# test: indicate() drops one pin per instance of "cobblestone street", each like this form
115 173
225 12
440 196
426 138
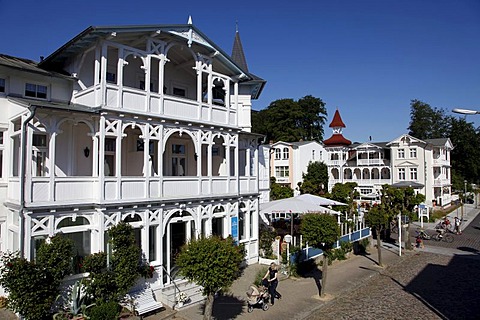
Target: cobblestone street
424 286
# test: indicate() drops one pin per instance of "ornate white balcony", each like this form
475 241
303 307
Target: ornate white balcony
44 191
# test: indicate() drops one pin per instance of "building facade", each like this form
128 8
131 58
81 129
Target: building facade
403 162
290 160
145 124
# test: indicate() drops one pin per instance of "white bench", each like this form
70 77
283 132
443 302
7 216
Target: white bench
143 300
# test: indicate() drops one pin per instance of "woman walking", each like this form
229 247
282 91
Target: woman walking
272 275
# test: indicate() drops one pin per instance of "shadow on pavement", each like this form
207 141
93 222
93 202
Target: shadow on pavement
451 291
469 249
227 307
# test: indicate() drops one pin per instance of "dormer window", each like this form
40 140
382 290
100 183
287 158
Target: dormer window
285 153
35 91
278 154
2 85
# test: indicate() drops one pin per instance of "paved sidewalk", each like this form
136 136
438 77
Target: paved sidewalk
469 213
300 296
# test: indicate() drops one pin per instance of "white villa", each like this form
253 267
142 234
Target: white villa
290 160
144 124
402 162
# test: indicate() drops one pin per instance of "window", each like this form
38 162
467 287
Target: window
39 155
109 165
313 154
278 154
413 153
285 153
281 172
2 85
35 91
178 160
111 77
401 153
413 174
179 92
401 174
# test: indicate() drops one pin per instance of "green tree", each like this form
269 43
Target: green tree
289 120
321 231
211 262
278 191
315 181
111 282
33 286
346 193
427 122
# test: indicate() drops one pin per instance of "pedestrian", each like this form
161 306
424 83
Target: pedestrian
457 226
272 277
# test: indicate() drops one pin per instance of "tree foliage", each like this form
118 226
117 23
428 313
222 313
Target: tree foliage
111 282
321 231
33 286
211 262
345 192
315 178
278 191
430 123
289 120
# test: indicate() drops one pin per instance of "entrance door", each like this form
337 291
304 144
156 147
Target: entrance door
178 237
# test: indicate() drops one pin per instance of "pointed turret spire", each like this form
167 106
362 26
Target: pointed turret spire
337 138
189 20
238 56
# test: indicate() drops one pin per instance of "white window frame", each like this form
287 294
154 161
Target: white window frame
282 172
40 156
401 153
401 173
413 153
278 153
36 92
286 153
413 174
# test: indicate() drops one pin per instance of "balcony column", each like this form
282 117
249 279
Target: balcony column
101 158
229 168
210 95
209 166
198 67
96 78
147 163
118 158
227 100
103 75
51 166
120 64
147 68
161 158
235 92
236 162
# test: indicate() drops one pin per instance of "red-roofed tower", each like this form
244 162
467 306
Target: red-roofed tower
337 138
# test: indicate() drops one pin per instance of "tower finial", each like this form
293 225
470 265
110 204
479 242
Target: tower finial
189 20
236 26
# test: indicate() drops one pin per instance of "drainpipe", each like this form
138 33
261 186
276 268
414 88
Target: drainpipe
23 170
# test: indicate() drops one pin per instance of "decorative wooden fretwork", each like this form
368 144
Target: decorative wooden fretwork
41 225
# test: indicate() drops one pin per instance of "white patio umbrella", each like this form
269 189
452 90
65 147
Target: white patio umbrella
320 201
292 205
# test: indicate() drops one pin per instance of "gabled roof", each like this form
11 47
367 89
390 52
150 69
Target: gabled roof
367 145
440 142
28 66
337 121
405 136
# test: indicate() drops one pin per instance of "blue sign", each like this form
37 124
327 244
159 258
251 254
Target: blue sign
235 229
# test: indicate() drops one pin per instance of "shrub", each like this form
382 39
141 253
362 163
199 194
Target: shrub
267 236
105 311
259 276
34 286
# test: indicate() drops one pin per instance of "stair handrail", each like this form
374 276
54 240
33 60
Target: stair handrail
174 284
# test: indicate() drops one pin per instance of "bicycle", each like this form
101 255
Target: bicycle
448 238
423 234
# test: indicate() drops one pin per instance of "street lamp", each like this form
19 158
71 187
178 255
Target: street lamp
465 111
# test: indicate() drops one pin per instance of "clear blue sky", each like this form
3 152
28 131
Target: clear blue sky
368 58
